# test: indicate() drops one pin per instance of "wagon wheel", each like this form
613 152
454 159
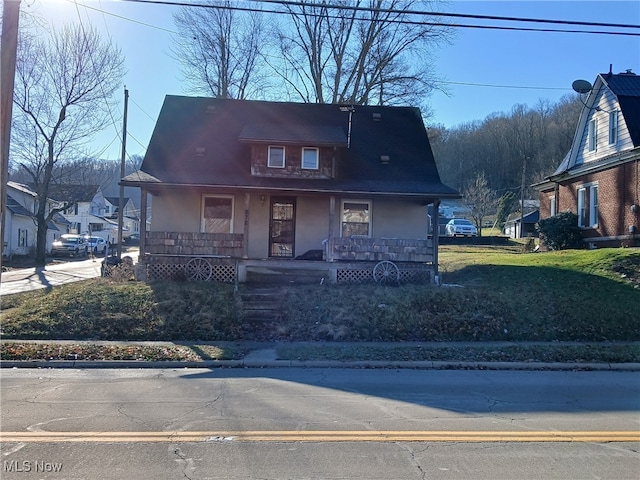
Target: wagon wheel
386 272
199 269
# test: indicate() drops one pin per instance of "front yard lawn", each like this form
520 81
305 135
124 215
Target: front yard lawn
490 294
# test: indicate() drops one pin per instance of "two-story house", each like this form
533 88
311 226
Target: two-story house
130 220
255 185
599 179
88 214
20 227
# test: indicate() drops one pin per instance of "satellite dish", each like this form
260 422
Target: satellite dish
581 86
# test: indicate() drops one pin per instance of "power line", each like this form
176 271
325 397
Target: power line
503 86
413 12
141 109
91 53
132 20
443 14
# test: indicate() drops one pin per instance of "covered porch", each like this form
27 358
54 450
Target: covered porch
225 257
218 257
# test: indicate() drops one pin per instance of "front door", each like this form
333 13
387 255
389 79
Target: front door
282 227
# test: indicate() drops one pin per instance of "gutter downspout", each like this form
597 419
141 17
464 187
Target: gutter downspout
436 242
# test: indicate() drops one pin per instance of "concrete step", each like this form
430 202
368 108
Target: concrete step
260 304
287 278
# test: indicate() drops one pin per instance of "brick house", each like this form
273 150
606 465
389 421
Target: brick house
599 179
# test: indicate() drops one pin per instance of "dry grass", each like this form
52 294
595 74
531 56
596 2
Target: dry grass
503 295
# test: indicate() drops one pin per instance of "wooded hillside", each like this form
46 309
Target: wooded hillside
498 146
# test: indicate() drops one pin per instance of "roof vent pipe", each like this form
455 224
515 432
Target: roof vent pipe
350 109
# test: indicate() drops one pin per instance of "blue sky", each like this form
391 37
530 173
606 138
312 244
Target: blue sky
489 63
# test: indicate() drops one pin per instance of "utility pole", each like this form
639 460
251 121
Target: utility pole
122 170
8 48
522 187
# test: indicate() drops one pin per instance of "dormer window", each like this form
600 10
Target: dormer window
276 157
310 158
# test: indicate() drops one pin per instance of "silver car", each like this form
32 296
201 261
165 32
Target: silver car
70 245
97 245
460 227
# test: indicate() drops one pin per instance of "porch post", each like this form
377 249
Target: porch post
143 223
435 228
332 218
245 243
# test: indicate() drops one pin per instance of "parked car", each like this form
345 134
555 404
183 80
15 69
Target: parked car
69 244
460 227
133 239
97 245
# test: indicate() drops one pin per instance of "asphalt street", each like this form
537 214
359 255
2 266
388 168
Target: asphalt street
318 423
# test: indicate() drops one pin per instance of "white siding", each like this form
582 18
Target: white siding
605 103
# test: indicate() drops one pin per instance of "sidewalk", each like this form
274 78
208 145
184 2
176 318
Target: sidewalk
266 356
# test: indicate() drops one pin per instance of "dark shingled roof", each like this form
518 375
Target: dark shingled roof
626 86
320 135
116 200
72 192
204 142
16 208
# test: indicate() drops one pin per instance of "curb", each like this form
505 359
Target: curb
416 365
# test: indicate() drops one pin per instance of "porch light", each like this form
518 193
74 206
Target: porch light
262 200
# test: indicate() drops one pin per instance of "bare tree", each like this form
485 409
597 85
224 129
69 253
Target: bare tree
499 144
362 52
64 93
480 200
220 49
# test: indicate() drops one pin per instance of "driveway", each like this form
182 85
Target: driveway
34 278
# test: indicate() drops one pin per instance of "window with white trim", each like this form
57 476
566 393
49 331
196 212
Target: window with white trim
613 128
310 158
276 157
588 206
356 218
217 214
552 206
593 206
592 135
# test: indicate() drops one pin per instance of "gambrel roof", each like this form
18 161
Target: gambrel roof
206 142
623 90
626 87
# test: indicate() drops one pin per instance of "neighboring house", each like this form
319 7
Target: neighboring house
87 215
131 221
256 181
512 227
599 179
20 227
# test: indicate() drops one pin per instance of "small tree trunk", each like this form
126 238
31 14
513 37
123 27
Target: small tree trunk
41 240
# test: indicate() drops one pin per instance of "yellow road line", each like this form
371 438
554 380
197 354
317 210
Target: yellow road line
320 436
